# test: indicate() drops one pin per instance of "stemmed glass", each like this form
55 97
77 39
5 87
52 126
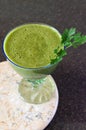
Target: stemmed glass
36 85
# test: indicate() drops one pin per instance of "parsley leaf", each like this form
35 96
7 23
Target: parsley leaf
70 37
59 56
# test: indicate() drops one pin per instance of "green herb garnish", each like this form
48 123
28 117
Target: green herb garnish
59 56
69 38
72 38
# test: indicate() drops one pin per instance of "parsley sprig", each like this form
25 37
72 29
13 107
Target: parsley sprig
70 37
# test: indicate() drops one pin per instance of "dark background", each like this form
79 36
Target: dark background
70 74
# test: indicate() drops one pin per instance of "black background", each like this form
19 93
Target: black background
70 74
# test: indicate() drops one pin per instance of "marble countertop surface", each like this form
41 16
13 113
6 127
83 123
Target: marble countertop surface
15 112
70 74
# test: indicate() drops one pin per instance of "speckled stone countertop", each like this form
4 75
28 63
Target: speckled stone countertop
15 113
70 74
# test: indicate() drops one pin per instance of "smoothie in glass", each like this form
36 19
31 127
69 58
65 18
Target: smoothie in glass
32 45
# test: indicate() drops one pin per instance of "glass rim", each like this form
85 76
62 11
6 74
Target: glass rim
28 68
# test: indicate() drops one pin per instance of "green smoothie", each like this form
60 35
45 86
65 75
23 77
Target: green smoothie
32 45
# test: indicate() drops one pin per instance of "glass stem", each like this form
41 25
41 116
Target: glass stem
36 82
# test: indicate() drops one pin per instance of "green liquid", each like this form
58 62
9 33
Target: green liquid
32 45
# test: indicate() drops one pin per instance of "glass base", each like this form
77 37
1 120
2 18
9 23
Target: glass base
38 91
